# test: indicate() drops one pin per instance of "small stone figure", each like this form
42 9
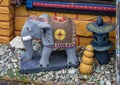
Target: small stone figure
101 42
86 66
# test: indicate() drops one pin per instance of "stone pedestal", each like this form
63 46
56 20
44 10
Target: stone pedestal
58 61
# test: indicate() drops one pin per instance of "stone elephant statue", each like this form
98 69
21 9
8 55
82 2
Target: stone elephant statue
41 28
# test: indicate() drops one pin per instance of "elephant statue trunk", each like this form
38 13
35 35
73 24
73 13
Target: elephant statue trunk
29 52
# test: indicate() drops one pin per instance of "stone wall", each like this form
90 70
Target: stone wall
6 21
21 14
83 35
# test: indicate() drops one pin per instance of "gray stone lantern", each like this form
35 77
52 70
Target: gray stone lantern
101 42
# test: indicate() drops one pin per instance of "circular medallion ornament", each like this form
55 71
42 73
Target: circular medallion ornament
60 34
60 19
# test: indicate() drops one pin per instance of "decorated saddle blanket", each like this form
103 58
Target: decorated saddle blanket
64 31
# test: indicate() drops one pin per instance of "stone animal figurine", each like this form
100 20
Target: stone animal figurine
42 28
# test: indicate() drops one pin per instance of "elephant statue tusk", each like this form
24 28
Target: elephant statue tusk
26 38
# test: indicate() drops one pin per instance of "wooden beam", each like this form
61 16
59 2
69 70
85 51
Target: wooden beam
88 1
118 41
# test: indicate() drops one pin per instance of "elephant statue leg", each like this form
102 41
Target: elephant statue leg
44 61
71 56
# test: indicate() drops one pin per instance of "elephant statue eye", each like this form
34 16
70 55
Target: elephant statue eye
29 29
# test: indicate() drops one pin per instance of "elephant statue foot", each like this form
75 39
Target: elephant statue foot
71 56
25 57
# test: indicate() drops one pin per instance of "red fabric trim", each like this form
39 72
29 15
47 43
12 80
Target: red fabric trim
37 18
98 8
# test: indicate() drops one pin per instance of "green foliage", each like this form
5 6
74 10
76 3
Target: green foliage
10 73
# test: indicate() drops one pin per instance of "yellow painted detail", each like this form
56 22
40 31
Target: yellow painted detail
60 34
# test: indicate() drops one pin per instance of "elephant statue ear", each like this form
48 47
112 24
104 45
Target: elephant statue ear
47 35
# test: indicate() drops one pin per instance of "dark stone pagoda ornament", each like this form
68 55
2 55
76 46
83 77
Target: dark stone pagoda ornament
101 42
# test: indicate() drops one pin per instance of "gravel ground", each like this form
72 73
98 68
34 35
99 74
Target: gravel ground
9 70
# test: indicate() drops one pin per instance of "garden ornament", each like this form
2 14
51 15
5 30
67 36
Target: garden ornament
54 32
101 42
86 65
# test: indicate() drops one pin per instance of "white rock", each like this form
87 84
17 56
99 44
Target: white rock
63 71
91 83
9 66
15 65
76 79
34 78
108 65
107 72
107 82
14 70
99 75
1 62
2 52
98 69
19 51
84 76
14 73
57 72
36 48
39 74
17 42
114 78
72 71
112 59
44 79
14 60
102 68
2 65
2 74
